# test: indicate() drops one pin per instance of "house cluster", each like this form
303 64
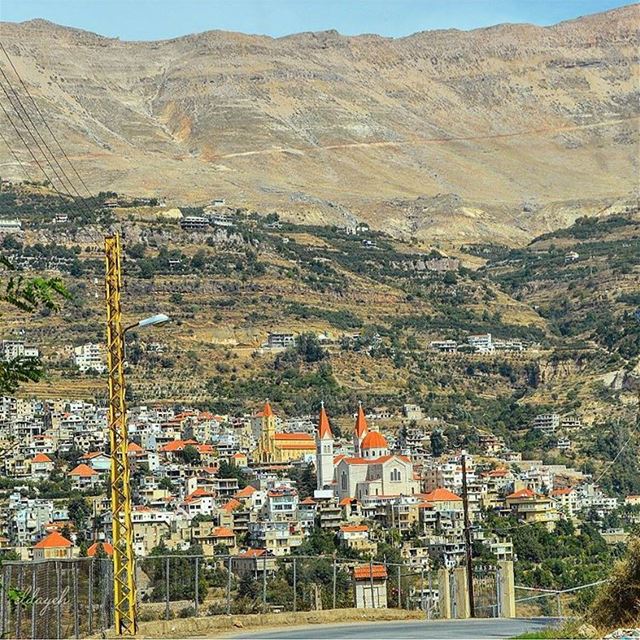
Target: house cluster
483 344
90 358
10 225
227 483
14 349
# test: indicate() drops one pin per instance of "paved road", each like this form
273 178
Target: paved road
409 630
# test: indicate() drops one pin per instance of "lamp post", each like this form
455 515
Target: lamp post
124 586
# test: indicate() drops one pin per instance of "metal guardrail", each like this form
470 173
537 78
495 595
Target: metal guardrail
557 593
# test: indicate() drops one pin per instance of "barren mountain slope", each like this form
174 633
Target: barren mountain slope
517 129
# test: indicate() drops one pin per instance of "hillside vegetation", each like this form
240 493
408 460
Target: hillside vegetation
374 307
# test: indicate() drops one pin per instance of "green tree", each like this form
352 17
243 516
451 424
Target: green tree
308 347
226 470
190 455
27 295
79 512
305 479
438 443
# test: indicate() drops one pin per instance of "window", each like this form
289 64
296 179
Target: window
395 475
343 481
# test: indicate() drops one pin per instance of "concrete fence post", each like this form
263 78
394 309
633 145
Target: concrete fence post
506 589
462 592
444 591
399 586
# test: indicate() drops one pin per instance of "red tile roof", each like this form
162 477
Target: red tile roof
561 492
107 547
54 540
92 454
356 460
496 473
246 492
232 505
198 493
522 493
442 495
222 532
204 448
366 572
41 458
353 528
252 553
83 471
177 445
294 436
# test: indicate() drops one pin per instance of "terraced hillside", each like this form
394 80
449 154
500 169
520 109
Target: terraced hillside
375 302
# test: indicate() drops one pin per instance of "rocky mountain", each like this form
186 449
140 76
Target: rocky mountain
498 133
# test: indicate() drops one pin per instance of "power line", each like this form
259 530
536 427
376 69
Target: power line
15 157
63 197
37 108
24 142
35 128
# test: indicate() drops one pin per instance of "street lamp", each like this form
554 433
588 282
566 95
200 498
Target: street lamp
151 321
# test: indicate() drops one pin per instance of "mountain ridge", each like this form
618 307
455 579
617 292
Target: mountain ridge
611 14
325 127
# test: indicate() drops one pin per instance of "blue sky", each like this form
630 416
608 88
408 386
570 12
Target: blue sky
158 19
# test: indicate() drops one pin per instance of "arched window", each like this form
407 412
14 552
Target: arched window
395 475
343 481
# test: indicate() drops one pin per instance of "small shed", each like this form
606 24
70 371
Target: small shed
370 584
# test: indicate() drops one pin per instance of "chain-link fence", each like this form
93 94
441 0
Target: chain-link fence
56 598
486 592
68 598
172 586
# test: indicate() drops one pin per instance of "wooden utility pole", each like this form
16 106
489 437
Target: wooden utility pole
467 536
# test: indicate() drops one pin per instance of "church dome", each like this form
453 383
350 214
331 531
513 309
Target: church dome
374 440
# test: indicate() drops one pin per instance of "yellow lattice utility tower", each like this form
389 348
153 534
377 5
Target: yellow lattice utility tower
124 585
